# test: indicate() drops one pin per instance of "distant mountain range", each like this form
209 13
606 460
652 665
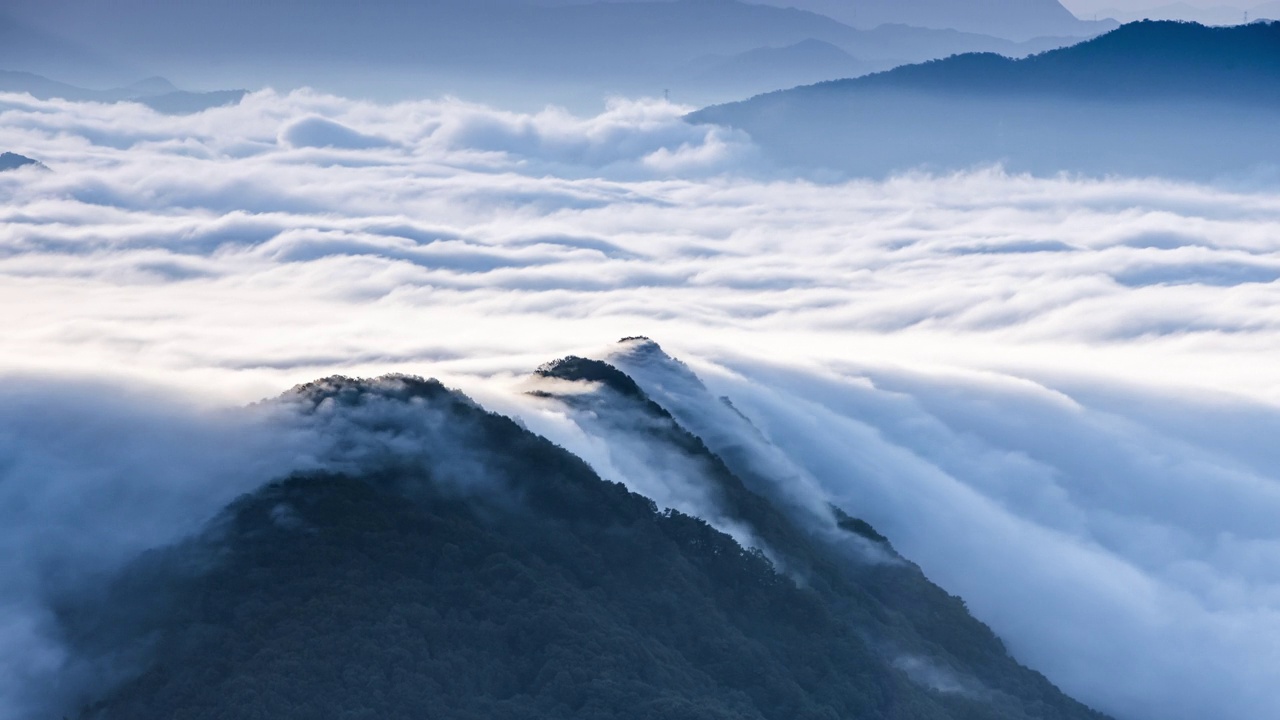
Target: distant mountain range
1141 61
468 48
815 59
1149 97
1013 19
156 93
465 567
1224 14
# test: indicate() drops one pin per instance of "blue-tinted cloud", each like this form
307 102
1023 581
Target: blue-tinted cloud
1047 395
318 132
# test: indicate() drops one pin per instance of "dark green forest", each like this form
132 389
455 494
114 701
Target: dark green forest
539 591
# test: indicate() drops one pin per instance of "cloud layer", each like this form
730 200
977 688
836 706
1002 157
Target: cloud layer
1057 395
1114 541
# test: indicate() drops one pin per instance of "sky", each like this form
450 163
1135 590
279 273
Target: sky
1058 395
1085 9
1079 6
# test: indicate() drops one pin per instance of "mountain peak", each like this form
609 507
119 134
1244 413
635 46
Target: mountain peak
346 391
640 346
580 369
492 573
13 161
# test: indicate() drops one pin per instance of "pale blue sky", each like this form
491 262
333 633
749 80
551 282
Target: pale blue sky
1085 8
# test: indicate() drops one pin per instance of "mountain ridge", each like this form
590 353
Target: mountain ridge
1150 98
1143 59
155 92
518 583
13 161
608 47
1014 19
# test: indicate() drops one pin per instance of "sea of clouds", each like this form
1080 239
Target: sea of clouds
1059 396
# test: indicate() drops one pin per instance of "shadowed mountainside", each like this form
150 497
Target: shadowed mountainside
1166 98
1015 19
467 566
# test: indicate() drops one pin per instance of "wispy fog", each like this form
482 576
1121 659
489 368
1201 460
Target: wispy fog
1057 395
1122 542
91 475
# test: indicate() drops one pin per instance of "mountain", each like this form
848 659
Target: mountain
13 161
157 93
452 564
40 87
488 48
1141 61
778 67
1166 98
1012 19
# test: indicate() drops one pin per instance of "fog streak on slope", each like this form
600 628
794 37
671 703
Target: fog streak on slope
90 476
93 475
1131 560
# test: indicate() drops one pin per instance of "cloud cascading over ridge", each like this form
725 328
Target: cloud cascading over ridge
1114 541
1056 394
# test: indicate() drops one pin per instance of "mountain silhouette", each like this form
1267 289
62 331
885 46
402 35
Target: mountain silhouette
156 92
13 161
814 59
460 566
1013 19
1148 59
1165 98
593 48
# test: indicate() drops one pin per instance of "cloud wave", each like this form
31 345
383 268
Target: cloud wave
1056 394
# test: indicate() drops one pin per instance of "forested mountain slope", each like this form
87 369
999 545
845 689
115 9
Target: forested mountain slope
456 565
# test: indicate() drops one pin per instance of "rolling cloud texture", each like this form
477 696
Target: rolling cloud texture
1054 394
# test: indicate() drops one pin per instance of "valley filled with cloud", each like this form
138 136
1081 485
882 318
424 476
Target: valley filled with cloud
1054 394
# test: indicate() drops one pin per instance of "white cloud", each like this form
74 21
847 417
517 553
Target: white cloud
318 132
92 475
1093 528
1059 394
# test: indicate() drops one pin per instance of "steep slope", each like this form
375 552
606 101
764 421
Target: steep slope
461 567
1149 98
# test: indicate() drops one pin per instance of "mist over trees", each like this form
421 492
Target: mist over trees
524 586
